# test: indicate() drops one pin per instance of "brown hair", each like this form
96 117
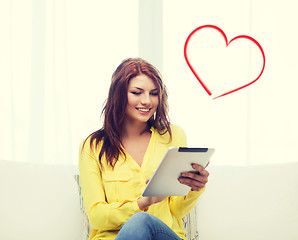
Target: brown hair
115 106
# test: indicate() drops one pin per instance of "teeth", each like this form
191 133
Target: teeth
143 109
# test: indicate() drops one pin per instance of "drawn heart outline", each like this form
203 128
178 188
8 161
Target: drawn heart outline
227 44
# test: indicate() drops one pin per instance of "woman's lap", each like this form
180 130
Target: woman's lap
146 226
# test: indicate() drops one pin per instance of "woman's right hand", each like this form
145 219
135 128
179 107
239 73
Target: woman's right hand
145 202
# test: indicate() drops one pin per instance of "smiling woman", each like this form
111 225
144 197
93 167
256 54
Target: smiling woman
131 71
117 160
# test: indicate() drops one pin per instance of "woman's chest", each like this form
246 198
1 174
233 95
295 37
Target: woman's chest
128 179
137 147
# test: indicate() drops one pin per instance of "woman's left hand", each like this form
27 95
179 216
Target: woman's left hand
197 179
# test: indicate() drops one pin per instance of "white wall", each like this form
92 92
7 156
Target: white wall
82 43
256 125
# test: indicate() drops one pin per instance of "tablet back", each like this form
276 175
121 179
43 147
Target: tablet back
164 181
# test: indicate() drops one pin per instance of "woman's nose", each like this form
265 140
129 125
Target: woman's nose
145 99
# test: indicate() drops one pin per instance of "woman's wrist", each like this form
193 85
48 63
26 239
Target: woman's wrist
144 203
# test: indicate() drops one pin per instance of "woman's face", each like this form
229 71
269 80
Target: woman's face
142 99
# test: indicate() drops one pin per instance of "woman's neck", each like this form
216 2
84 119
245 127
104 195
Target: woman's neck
133 129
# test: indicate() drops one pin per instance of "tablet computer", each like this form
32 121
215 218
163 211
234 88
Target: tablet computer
164 181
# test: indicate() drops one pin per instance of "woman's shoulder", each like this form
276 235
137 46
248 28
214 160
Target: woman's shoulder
90 143
178 136
177 130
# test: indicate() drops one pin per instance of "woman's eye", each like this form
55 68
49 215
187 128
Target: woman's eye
154 94
136 93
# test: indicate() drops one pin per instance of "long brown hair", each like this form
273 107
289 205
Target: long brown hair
115 106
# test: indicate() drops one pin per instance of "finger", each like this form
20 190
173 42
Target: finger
194 187
197 188
195 176
200 169
191 183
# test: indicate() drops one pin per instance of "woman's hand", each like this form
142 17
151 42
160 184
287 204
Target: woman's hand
145 202
196 180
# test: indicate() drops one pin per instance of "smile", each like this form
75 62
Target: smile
143 109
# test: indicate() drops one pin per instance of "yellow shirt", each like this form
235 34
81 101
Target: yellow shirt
110 196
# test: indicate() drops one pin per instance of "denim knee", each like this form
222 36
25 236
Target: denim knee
141 217
136 227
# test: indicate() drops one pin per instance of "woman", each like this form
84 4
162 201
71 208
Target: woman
117 161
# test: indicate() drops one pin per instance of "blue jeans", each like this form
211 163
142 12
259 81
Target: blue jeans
145 226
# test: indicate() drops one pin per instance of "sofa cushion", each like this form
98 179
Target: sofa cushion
39 201
259 202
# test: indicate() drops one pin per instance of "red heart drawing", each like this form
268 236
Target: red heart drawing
227 44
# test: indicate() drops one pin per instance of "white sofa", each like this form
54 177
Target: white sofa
41 202
250 203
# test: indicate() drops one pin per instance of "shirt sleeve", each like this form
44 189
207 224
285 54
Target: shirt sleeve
181 205
102 215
